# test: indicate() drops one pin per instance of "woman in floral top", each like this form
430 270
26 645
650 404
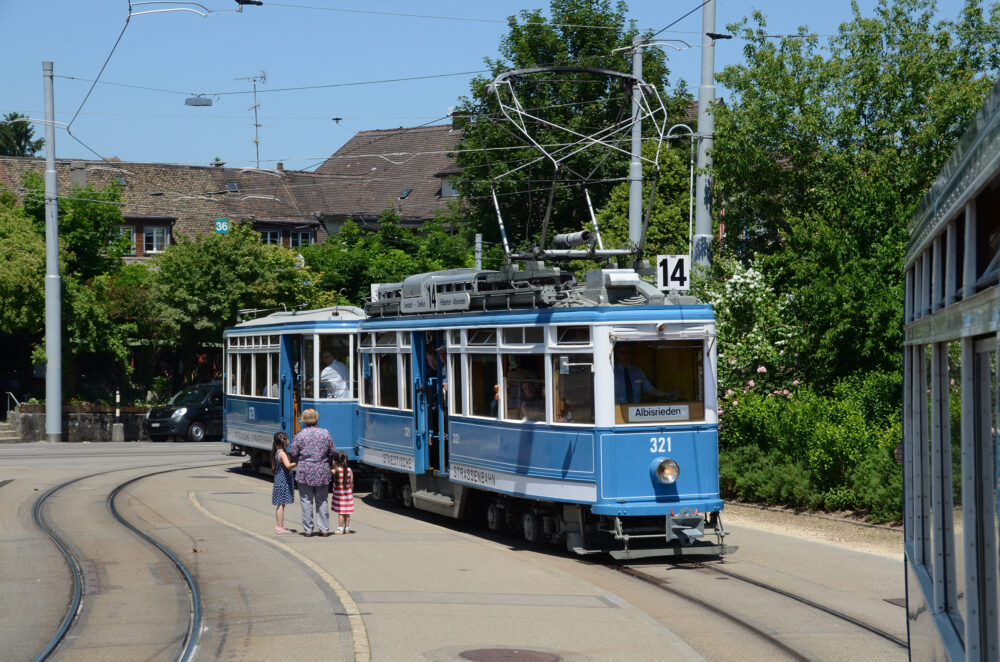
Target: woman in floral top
313 449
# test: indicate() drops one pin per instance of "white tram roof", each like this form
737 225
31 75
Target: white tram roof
335 313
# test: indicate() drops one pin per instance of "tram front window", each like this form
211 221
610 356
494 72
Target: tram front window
659 373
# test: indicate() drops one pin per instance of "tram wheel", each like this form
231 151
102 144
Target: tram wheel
530 526
494 517
379 489
406 494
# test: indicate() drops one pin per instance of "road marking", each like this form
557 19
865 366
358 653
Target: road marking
359 632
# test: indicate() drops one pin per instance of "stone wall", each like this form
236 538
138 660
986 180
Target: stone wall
78 426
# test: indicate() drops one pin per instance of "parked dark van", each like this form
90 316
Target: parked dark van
194 413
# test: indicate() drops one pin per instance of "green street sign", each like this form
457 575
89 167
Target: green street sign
222 226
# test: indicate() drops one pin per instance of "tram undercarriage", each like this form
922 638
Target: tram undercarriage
677 534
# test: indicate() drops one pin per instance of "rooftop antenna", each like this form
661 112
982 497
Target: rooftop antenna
259 78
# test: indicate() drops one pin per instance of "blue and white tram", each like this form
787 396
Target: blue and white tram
582 414
278 365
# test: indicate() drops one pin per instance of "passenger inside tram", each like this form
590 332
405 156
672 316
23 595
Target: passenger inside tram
631 383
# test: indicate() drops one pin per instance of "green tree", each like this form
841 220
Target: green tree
89 225
350 261
822 154
16 137
489 148
199 286
22 272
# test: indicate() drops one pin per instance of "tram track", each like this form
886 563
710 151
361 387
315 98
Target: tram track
76 561
745 623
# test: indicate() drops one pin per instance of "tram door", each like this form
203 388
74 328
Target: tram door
294 370
431 408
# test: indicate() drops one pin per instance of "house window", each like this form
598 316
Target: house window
129 232
270 237
448 189
155 240
300 239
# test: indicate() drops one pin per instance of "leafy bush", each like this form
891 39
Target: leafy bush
803 449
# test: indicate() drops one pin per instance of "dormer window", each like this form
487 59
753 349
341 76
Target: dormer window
232 187
448 189
405 193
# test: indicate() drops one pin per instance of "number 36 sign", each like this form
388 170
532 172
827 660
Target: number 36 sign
673 272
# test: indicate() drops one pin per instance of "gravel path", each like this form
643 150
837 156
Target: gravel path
875 539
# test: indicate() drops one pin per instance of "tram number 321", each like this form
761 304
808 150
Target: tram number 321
659 445
673 272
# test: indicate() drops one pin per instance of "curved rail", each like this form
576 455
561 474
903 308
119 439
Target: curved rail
73 609
806 601
715 609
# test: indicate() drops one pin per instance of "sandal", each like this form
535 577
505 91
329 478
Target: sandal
282 530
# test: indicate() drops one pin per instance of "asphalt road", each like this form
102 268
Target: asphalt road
406 586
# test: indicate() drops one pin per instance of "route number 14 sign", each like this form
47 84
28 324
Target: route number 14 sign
673 272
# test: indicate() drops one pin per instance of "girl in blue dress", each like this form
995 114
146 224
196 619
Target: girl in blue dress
283 492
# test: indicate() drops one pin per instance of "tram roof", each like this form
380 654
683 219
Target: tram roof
287 318
536 316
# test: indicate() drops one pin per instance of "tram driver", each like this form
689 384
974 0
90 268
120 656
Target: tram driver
631 383
333 378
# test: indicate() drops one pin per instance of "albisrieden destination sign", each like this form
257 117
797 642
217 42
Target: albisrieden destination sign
655 413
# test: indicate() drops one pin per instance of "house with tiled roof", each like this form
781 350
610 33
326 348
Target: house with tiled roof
408 170
164 201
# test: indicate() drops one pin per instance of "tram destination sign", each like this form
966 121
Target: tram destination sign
452 301
654 413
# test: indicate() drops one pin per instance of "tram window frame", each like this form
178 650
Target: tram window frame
483 337
455 338
522 335
404 383
456 382
309 358
514 380
387 396
573 410
366 379
662 370
563 335
341 348
482 394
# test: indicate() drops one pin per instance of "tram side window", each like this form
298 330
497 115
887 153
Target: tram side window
388 380
260 375
308 369
335 367
275 375
367 381
524 387
405 382
659 372
246 375
233 370
483 384
573 383
455 383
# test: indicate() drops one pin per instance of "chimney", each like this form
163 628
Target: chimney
77 174
281 167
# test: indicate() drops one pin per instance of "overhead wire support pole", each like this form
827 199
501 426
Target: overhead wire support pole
53 283
702 246
635 164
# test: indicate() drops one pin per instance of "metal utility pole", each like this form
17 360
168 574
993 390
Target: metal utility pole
53 284
702 249
635 165
256 122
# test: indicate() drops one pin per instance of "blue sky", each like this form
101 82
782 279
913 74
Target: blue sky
296 44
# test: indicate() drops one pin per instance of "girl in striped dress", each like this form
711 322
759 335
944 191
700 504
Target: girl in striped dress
283 492
342 500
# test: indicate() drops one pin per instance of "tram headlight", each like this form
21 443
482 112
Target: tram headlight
666 470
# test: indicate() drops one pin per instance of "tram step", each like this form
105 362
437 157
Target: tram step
435 502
